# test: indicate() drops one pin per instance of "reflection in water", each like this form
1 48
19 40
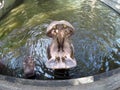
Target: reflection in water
96 39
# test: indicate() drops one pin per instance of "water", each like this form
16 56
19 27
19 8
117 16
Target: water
96 39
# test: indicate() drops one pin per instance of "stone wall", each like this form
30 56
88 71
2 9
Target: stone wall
7 5
114 4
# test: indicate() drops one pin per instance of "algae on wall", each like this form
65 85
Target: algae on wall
6 6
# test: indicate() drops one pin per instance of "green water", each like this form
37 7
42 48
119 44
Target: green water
96 39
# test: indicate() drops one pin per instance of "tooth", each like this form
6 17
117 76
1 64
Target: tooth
54 27
57 31
64 26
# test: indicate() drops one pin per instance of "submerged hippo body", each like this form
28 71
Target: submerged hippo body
28 67
2 67
60 51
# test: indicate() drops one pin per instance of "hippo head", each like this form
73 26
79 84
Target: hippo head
28 67
60 28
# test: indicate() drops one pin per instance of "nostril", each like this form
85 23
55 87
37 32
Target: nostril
58 59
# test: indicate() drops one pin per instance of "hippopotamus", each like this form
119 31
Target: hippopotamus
60 52
2 67
28 67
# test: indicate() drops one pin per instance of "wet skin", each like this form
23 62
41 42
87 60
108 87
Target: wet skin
2 67
61 50
28 67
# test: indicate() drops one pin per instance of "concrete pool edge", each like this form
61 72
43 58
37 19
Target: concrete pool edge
114 4
105 81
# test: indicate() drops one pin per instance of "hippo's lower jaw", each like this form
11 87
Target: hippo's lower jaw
67 64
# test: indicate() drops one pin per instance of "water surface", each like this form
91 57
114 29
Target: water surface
96 39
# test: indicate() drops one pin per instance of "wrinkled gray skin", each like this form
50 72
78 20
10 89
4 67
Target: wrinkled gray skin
60 51
28 67
2 66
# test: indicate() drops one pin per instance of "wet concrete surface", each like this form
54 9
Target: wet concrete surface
111 82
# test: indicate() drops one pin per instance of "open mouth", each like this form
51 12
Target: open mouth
60 39
60 31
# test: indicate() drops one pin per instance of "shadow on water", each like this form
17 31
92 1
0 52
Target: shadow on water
96 39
